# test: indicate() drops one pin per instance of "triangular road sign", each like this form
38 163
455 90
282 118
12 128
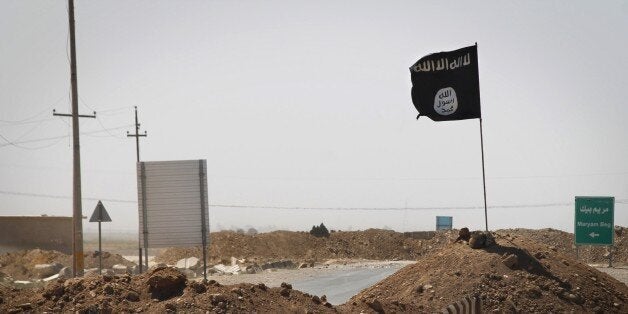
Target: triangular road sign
100 214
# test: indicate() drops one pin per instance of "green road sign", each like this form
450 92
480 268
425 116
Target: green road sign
594 220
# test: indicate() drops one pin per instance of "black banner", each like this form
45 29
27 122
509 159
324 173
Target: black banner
446 85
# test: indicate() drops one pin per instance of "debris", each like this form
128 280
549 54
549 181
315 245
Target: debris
105 272
188 263
53 277
120 269
376 306
21 284
165 282
220 268
279 264
65 272
46 270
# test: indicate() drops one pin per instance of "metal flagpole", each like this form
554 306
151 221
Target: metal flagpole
483 176
482 148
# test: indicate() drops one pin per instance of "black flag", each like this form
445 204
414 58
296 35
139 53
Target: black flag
446 85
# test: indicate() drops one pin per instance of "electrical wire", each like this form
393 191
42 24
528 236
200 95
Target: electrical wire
15 144
98 119
113 200
25 120
64 197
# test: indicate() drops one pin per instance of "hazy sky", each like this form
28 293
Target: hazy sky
307 104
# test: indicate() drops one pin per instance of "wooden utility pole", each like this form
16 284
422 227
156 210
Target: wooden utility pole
137 136
77 210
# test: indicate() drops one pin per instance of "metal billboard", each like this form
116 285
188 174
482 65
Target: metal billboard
172 198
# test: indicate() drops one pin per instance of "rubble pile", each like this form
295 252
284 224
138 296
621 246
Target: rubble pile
163 290
39 264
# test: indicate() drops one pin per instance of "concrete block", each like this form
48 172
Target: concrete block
188 263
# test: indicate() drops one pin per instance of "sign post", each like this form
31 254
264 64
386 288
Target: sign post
100 215
594 222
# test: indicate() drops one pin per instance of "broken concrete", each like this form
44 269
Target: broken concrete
46 270
188 263
120 269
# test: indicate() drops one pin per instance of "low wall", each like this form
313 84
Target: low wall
31 232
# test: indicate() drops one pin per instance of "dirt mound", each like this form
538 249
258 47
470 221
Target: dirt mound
372 244
166 282
20 264
117 294
108 260
564 242
516 274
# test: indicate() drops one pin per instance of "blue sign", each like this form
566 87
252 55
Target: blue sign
444 222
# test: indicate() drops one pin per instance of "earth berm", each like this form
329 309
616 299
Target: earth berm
516 275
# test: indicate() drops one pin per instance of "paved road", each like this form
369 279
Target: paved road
340 286
620 273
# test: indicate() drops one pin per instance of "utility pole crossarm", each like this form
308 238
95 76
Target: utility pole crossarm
134 135
54 113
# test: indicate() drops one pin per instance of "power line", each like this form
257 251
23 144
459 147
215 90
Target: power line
30 148
98 119
113 200
26 119
619 173
15 144
390 208
25 122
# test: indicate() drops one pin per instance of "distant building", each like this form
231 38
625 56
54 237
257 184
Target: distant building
31 232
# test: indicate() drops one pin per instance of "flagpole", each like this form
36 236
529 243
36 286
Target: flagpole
483 176
482 149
